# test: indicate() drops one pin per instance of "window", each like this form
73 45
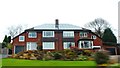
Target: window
31 46
93 37
21 38
32 35
67 45
48 33
68 33
85 44
83 34
48 45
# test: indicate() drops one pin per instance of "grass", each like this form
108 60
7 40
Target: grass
21 62
117 65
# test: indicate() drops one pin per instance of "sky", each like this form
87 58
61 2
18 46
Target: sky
37 12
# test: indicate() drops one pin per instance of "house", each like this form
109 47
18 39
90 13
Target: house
56 37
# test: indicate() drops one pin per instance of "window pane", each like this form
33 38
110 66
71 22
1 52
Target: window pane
68 33
21 38
93 37
83 34
48 33
86 44
32 35
67 45
31 46
48 45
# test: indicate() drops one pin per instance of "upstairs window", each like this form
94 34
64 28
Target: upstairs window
32 35
48 33
93 37
21 38
83 34
68 34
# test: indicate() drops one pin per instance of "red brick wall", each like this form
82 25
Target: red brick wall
58 42
97 41
77 37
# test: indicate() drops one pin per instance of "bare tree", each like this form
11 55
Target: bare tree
15 30
99 25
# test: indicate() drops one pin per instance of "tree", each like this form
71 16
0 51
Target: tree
15 30
108 36
99 25
5 42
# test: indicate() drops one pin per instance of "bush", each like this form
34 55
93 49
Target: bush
82 58
87 52
48 55
58 55
69 54
101 57
39 48
29 54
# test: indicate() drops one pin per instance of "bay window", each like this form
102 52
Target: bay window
85 44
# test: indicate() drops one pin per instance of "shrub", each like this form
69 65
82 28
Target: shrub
48 56
57 55
82 58
101 57
87 52
69 54
39 48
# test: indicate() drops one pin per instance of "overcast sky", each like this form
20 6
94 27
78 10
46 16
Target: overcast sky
37 12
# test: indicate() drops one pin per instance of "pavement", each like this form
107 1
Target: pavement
116 57
3 56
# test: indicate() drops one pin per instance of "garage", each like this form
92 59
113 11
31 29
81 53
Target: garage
112 51
19 49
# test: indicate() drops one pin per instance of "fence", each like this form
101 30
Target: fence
4 52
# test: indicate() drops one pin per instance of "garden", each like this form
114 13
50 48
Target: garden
67 57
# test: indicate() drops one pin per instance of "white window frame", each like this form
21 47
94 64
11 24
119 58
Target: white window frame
21 40
47 44
68 34
29 46
29 35
84 34
90 44
66 45
44 32
93 37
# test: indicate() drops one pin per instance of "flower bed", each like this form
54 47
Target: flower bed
68 54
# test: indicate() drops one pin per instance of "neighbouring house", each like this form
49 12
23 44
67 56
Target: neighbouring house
56 37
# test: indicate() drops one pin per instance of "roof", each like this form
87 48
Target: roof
60 27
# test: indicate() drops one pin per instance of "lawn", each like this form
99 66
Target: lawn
21 62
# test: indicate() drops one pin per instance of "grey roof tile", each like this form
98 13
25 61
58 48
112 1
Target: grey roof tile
61 26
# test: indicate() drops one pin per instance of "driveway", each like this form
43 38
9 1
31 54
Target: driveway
3 56
115 57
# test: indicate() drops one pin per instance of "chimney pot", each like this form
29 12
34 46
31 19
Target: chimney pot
57 23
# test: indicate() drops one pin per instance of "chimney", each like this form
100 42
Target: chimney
56 23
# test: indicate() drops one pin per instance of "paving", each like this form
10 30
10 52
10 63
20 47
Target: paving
3 56
116 57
